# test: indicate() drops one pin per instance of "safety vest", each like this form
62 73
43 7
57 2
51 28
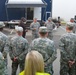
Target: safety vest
22 73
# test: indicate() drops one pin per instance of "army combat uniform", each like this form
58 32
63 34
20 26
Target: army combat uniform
46 47
74 24
2 66
74 29
50 26
68 53
3 41
18 48
35 32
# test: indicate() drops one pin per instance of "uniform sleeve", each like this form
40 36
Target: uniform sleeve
45 24
31 27
75 53
73 28
25 51
54 25
1 62
39 24
54 54
62 43
64 54
10 49
31 47
6 48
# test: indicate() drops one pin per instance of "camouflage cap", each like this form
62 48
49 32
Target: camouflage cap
50 18
43 29
2 25
69 24
17 28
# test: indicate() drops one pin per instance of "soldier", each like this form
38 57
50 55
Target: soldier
18 50
74 24
35 27
68 51
46 47
59 21
50 25
22 24
3 47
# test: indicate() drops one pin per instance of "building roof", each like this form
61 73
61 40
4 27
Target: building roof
25 3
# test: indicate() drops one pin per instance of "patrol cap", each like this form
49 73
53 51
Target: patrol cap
17 28
43 29
69 24
2 25
50 18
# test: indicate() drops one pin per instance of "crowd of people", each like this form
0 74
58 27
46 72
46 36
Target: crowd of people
37 57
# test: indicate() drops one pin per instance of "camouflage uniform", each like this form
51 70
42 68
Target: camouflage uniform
2 66
18 48
74 29
46 47
74 24
68 52
3 47
50 26
35 32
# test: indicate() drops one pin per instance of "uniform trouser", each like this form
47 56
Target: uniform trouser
15 66
34 36
4 71
50 35
49 69
24 34
75 67
5 68
65 69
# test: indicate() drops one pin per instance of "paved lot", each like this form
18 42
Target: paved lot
57 34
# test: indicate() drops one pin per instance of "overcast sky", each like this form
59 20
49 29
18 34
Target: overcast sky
64 8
